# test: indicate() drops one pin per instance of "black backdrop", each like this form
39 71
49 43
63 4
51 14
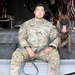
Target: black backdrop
19 9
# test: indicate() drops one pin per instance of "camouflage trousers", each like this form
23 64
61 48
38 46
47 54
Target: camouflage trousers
20 55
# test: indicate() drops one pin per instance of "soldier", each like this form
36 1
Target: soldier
36 34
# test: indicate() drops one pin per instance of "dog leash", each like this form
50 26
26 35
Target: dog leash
33 65
36 51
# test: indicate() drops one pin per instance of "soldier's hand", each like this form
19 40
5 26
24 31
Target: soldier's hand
47 50
31 53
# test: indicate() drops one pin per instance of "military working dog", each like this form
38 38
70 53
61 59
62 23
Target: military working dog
65 32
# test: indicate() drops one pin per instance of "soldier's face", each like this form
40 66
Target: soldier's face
39 12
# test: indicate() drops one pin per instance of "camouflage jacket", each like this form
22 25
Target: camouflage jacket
37 34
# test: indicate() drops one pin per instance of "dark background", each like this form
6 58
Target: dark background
19 9
22 10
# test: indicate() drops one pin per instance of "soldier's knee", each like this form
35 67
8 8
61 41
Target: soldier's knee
56 52
17 55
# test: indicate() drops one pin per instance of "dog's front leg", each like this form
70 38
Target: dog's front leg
69 43
59 45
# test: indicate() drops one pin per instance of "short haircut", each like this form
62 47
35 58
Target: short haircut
39 4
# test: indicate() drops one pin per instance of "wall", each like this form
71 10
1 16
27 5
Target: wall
19 9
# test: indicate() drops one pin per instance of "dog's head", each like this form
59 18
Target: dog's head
63 23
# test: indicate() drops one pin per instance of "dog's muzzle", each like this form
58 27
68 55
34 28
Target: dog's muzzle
64 21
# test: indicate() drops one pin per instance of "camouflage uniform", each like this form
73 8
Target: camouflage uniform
36 35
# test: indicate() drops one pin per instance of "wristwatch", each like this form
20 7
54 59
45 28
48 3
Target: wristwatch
27 46
52 47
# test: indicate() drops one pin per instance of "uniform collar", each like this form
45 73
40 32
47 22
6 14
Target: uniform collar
38 22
